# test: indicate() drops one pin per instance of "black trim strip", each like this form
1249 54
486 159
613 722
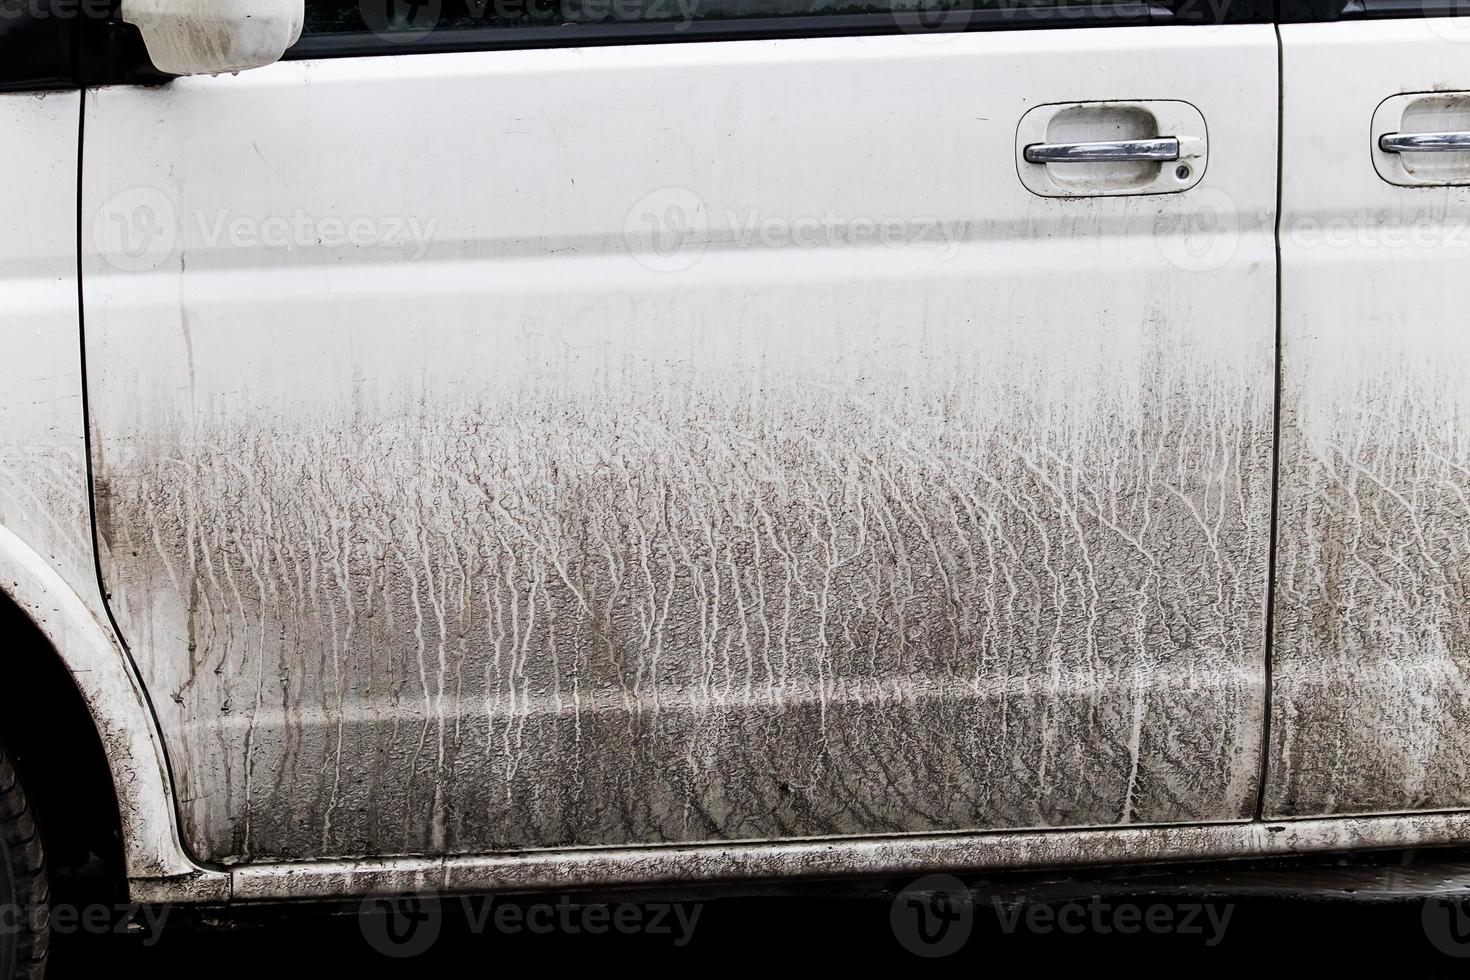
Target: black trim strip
1263 780
1099 14
1320 11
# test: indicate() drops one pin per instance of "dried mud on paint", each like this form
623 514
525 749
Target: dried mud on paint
711 607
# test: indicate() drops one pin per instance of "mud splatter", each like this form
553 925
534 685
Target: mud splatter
780 604
1371 680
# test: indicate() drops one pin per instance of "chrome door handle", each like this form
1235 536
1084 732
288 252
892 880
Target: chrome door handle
1162 150
1424 142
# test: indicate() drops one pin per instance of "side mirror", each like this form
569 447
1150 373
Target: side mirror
209 37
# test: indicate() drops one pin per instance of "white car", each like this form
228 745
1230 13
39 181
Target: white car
490 447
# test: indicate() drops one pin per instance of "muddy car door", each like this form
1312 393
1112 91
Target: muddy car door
1372 626
506 444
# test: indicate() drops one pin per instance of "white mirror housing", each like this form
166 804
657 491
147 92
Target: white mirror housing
209 37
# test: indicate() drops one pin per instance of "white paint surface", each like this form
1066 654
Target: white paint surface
455 502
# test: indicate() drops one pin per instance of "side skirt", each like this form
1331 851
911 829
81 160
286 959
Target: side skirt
886 857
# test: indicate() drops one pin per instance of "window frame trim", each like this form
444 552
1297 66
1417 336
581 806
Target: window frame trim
1126 13
1331 11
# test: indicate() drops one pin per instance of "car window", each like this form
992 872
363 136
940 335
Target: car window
416 18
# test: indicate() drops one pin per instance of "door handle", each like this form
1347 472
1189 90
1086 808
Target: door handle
1124 148
1424 142
1164 149
1421 139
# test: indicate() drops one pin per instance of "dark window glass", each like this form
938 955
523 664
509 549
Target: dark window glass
410 19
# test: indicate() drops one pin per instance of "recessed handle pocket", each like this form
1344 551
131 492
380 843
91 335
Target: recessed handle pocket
1109 149
1423 139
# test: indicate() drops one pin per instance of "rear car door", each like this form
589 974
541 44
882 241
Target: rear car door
1370 710
505 444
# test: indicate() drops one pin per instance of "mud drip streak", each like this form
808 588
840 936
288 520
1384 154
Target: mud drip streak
1374 602
590 623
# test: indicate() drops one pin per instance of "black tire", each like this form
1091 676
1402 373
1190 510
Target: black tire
25 895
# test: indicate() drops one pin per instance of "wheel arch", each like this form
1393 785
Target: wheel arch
158 867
